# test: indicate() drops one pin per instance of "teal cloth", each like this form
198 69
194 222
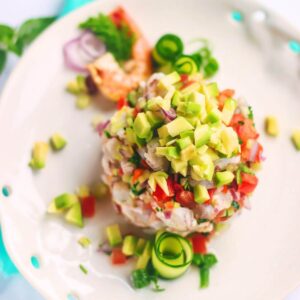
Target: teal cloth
7 268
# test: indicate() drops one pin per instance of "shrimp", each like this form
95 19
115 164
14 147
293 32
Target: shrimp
113 81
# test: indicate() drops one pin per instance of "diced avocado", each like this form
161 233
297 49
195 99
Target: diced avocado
129 245
81 83
169 152
212 154
211 90
188 153
168 98
163 132
159 178
189 133
202 167
74 215
168 80
189 108
39 155
202 135
52 208
77 86
224 178
194 87
179 166
154 104
130 135
113 234
230 140
65 201
201 194
154 119
145 257
83 101
140 246
141 125
214 116
296 139
83 191
177 126
84 242
228 110
176 99
99 190
57 141
202 150
271 126
200 100
184 142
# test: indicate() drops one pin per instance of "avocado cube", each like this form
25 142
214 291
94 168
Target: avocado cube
201 194
271 126
176 99
194 87
65 201
188 153
57 142
154 119
84 242
159 178
39 155
184 142
129 245
141 126
113 234
140 246
203 167
163 132
296 139
168 80
154 104
177 126
99 190
83 191
189 133
214 116
143 260
228 110
52 209
74 215
172 153
224 178
229 140
179 166
202 135
83 101
211 90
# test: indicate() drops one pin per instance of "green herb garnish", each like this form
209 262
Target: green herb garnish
250 114
16 40
118 40
83 269
235 205
107 134
135 159
135 191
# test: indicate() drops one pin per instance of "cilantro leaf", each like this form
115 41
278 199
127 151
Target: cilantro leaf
118 40
250 114
3 57
140 278
6 35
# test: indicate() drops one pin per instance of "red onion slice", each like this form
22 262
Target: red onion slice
91 45
169 114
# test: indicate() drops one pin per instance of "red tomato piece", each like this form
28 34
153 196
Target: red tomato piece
88 205
249 183
199 243
118 257
185 198
159 194
121 103
136 174
244 128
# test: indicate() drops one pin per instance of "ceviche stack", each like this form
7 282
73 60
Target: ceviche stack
179 154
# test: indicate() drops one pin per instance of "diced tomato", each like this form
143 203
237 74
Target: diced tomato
225 95
184 78
185 198
211 192
169 205
249 183
136 174
178 187
199 243
120 172
88 205
121 103
244 128
258 156
135 112
118 257
159 194
225 189
117 16
186 84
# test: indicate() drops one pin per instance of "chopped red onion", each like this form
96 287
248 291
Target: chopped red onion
234 194
170 115
105 248
101 127
167 214
253 151
91 45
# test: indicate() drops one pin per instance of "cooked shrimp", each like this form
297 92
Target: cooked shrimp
113 81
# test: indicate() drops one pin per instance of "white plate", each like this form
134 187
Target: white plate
258 255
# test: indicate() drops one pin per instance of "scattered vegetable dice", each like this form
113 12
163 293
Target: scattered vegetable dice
114 235
296 139
57 142
39 155
271 126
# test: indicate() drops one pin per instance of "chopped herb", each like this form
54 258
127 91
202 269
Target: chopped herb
241 122
107 134
135 191
240 141
250 114
118 40
245 169
135 159
140 278
83 269
199 221
235 205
